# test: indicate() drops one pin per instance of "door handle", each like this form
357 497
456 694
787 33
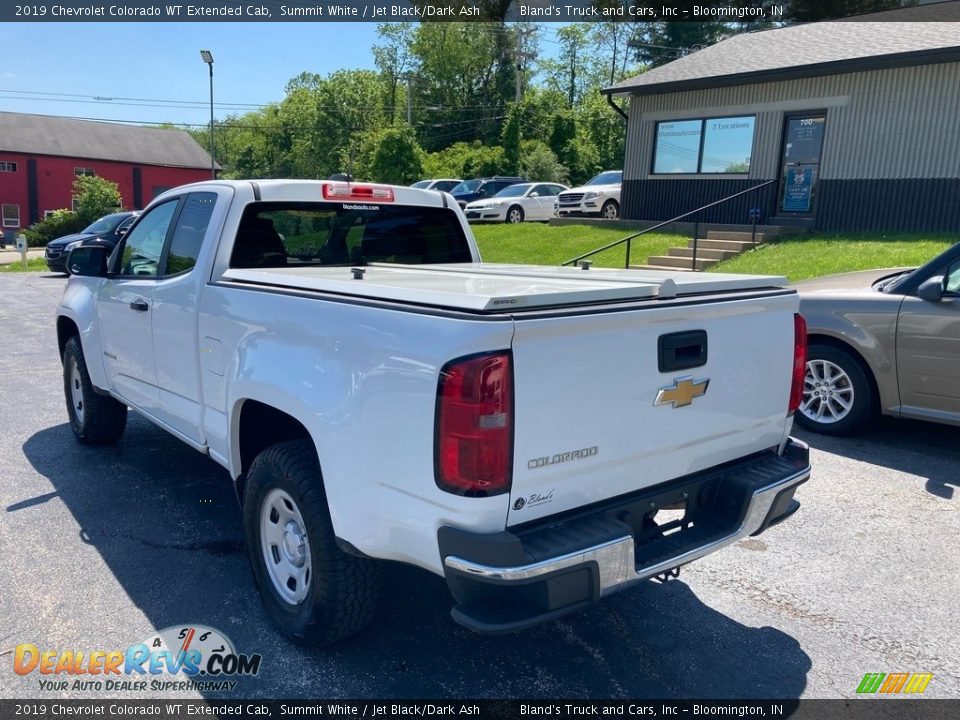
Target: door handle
139 305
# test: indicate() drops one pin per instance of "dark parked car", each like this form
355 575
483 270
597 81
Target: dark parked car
884 341
482 188
106 231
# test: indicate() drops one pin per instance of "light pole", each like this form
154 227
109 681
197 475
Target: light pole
208 59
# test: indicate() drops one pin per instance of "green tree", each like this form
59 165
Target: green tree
94 197
394 59
511 140
569 71
540 164
391 155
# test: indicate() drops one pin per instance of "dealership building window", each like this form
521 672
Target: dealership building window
11 216
78 172
704 146
7 166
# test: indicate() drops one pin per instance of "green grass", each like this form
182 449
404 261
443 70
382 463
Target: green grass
540 244
33 265
817 255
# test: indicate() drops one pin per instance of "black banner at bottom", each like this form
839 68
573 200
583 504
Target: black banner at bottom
853 709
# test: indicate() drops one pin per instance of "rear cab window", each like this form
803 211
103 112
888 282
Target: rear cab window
296 234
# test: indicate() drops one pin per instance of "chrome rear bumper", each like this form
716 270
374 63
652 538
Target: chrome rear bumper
497 595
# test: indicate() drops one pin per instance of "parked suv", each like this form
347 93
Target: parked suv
600 195
106 231
481 188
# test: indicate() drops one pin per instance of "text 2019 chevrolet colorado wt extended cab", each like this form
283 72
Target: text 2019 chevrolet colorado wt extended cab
540 437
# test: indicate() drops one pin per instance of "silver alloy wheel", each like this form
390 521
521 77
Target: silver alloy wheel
514 215
76 389
827 392
610 211
285 546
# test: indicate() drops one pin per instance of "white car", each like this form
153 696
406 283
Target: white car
524 201
441 184
599 196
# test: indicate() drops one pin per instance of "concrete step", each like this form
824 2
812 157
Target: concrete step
680 263
736 235
664 268
702 252
734 245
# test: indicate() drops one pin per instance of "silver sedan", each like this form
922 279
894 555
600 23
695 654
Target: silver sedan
883 341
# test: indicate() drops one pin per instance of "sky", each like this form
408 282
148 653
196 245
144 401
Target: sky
161 61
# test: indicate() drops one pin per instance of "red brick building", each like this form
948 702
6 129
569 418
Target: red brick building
40 156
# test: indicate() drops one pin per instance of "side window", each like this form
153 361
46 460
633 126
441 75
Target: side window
545 190
952 281
189 232
144 243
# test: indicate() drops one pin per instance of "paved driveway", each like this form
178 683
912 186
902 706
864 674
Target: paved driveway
103 546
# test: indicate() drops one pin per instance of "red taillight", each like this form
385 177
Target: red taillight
474 444
799 361
350 191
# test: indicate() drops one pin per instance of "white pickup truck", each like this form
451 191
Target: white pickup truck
540 437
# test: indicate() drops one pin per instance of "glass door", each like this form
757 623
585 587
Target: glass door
800 165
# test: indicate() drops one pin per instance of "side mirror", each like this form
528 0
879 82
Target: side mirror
931 289
481 191
121 231
534 194
88 261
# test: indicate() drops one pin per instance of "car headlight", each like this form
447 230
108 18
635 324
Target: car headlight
591 195
71 246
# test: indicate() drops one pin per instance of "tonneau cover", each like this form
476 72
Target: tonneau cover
497 288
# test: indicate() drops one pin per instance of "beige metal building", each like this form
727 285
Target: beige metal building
856 123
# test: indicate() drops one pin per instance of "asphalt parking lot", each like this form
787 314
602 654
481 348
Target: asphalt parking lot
101 547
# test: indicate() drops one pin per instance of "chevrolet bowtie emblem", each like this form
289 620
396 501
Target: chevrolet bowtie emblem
682 392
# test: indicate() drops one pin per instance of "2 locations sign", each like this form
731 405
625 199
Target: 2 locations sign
382 10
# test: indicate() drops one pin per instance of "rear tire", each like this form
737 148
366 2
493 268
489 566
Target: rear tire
515 214
95 419
838 397
610 210
313 592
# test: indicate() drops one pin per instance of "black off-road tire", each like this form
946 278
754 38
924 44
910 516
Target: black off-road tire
343 590
854 381
99 419
519 214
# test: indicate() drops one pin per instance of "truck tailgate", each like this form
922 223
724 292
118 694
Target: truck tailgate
587 427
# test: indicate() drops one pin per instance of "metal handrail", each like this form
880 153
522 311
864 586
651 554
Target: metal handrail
629 238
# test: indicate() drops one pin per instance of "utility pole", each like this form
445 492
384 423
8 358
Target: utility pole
409 99
520 55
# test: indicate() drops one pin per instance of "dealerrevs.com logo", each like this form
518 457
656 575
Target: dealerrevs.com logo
183 657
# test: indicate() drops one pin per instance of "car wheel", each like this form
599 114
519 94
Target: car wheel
837 394
95 419
313 591
515 214
610 210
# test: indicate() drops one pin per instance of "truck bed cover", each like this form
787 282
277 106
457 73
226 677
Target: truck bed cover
489 288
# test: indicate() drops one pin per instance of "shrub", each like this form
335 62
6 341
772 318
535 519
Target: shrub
57 224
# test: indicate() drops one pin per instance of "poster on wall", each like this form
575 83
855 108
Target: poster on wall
797 190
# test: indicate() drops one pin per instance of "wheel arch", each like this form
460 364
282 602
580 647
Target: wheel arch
837 343
258 426
66 329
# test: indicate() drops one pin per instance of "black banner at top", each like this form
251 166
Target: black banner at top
740 11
